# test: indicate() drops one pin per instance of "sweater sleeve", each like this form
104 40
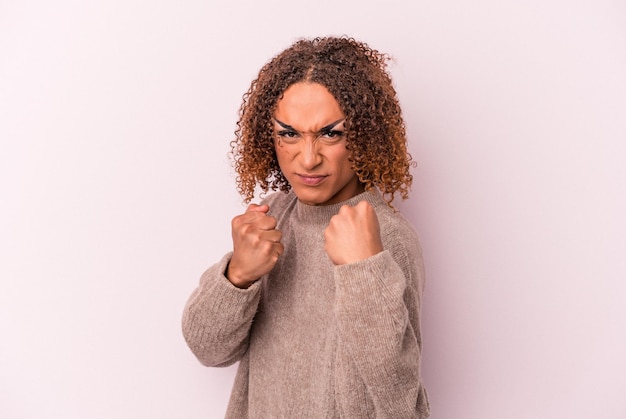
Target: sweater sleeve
377 309
217 317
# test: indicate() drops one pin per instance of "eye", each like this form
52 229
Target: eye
334 133
287 133
288 136
332 136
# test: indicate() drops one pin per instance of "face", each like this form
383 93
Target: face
310 143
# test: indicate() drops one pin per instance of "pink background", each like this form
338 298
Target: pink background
116 193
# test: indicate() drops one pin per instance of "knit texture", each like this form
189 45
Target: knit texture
314 339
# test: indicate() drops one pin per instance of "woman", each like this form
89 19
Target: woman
320 298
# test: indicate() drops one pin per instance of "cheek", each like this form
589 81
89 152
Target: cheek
341 160
282 155
279 149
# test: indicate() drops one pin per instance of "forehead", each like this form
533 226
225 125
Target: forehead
308 107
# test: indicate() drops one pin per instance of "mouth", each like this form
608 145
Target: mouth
311 180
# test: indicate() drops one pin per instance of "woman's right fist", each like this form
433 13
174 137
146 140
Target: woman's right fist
256 246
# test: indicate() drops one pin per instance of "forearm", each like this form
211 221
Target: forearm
217 318
377 315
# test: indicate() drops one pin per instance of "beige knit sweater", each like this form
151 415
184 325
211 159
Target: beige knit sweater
313 339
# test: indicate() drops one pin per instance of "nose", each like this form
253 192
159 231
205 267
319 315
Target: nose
310 156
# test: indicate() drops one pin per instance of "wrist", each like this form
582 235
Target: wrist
234 279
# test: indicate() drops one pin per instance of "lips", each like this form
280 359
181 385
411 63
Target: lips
311 180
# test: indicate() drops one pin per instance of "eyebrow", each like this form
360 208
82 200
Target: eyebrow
327 128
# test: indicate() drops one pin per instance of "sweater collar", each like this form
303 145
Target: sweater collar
323 213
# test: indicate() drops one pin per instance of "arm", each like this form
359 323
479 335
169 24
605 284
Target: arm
217 318
378 297
377 309
219 314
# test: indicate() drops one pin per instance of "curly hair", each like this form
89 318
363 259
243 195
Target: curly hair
356 75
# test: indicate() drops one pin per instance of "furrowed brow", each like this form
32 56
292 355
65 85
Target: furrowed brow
326 128
285 126
332 125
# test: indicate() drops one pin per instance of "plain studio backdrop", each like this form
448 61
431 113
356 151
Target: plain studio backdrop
117 193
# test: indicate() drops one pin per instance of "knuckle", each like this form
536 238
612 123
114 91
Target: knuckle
265 246
257 241
246 229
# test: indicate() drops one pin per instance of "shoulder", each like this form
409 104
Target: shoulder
279 201
277 198
395 229
401 240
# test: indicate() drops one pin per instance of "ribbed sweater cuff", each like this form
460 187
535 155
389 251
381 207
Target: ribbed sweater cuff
226 294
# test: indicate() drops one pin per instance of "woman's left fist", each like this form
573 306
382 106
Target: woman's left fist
353 234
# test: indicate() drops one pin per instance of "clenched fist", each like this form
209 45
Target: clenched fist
256 246
353 234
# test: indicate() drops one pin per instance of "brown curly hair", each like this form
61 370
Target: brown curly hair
356 75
